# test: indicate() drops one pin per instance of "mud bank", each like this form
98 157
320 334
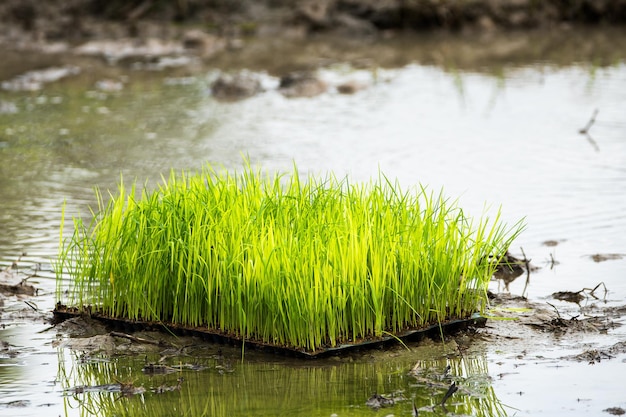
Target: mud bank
80 20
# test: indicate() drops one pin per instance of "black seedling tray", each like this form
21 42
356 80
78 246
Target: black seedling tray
62 313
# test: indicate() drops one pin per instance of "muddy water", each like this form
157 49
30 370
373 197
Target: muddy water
492 128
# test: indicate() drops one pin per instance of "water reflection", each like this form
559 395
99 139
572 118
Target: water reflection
263 386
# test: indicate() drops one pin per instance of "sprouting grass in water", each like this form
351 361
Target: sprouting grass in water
303 264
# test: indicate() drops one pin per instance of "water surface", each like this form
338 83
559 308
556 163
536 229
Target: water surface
490 131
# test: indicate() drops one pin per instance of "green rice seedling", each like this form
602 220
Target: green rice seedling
305 264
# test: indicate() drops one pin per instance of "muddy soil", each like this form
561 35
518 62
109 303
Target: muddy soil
512 321
29 22
44 42
515 318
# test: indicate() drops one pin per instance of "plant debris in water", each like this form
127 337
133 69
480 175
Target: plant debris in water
578 296
305 264
377 401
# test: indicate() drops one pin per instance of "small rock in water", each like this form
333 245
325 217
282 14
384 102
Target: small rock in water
301 84
350 87
235 87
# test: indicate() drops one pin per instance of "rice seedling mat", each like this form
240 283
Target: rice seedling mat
314 265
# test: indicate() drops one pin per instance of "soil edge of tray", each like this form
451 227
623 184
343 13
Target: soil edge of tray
62 313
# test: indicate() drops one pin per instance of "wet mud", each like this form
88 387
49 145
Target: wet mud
260 35
88 19
518 312
62 313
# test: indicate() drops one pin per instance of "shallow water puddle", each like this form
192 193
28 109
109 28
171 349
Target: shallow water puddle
511 138
368 384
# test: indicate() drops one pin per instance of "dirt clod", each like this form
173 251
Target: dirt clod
601 257
569 296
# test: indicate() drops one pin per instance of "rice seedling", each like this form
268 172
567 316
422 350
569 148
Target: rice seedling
306 264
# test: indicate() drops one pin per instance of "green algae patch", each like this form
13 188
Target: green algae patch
306 264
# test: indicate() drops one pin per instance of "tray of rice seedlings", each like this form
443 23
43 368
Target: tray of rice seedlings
306 265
